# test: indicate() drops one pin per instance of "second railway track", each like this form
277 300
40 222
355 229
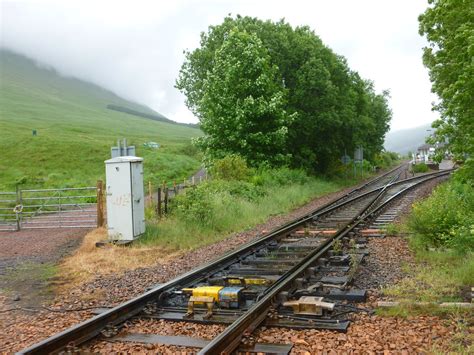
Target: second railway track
296 276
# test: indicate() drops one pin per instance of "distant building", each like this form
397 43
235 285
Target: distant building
425 152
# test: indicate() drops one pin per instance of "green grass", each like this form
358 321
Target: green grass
439 276
76 131
220 210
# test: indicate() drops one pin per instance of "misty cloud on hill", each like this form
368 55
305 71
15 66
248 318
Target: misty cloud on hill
135 48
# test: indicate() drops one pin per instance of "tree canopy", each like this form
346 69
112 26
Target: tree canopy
270 92
242 106
449 28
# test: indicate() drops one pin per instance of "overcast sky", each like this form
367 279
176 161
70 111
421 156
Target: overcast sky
135 48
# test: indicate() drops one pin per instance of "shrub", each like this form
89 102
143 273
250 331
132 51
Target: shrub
232 167
446 218
202 203
242 189
385 159
195 205
280 177
190 149
420 168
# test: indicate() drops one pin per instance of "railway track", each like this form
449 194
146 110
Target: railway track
296 276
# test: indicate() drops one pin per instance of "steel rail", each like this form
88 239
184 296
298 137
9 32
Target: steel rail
92 327
230 338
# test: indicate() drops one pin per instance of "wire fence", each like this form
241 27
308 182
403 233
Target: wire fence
160 198
77 207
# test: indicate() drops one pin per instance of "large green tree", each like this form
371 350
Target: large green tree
242 106
449 28
334 110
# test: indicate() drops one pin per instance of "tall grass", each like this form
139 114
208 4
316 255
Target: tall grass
207 213
438 276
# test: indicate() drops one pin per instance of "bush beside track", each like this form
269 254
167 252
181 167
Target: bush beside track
237 198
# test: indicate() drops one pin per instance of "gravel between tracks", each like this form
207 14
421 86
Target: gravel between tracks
367 334
412 335
387 256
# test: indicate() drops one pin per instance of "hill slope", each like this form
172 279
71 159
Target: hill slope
156 116
406 140
75 130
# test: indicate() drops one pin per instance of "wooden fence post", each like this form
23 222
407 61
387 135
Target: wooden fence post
100 204
166 200
150 193
158 205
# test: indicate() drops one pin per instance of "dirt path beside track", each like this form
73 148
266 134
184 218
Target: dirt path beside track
27 261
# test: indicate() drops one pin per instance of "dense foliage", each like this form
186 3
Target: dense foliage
443 224
448 27
231 167
446 219
233 195
420 168
386 159
270 92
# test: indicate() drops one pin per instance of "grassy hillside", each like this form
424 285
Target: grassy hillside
155 116
75 130
407 140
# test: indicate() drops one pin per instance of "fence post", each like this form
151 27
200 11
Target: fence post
158 205
150 193
100 204
60 208
18 202
166 200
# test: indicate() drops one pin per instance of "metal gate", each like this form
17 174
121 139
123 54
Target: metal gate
49 208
